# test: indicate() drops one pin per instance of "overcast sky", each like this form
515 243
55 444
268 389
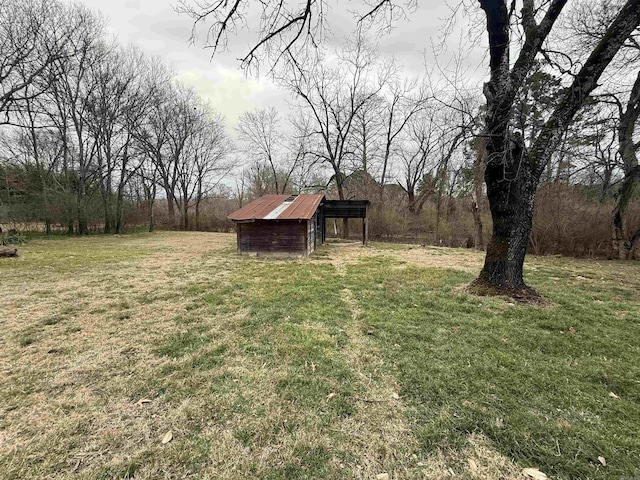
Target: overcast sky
155 27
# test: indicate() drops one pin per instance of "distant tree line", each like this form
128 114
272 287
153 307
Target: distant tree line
87 126
94 133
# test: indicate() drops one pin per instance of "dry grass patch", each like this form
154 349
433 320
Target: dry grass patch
160 319
437 257
355 362
477 460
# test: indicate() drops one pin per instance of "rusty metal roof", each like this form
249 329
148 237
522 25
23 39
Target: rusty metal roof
303 207
279 207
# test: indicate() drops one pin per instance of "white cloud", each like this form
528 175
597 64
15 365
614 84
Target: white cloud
228 91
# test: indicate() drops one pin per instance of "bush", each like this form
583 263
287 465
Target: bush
12 237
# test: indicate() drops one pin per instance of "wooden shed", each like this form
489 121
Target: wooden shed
291 225
280 225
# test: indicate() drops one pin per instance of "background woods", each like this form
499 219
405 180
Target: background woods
98 137
90 129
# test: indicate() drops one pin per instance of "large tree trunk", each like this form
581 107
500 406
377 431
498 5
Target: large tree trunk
119 215
511 176
150 196
512 212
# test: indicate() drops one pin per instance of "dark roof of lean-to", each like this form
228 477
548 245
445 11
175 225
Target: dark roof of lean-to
279 207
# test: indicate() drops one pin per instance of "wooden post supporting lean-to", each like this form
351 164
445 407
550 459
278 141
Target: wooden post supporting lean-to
365 227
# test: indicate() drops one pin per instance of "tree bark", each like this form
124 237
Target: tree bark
512 213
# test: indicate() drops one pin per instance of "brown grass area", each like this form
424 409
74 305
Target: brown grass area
83 321
476 461
438 257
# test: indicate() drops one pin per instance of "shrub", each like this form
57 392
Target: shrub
12 237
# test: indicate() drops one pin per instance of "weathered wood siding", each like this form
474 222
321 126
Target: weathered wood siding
270 236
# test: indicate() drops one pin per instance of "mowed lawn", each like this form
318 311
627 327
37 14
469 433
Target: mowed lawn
351 364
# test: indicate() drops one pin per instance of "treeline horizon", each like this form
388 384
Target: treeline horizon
98 137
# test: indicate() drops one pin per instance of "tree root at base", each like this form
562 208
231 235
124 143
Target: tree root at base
524 294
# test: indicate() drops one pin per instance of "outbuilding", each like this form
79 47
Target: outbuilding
291 225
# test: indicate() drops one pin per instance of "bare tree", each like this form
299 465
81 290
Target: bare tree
34 35
403 100
72 87
153 137
333 95
263 140
149 179
117 105
366 138
418 158
209 150
184 122
42 147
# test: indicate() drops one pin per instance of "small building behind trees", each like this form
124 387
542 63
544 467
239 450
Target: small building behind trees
291 225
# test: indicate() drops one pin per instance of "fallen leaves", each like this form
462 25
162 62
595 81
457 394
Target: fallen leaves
167 437
142 401
395 396
534 473
602 460
614 396
572 330
331 395
382 476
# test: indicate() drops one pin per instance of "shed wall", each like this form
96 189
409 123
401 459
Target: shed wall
277 237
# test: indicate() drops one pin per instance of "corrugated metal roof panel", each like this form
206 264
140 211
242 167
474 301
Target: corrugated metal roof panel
301 208
259 208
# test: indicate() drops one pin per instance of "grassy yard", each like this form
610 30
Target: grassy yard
356 362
